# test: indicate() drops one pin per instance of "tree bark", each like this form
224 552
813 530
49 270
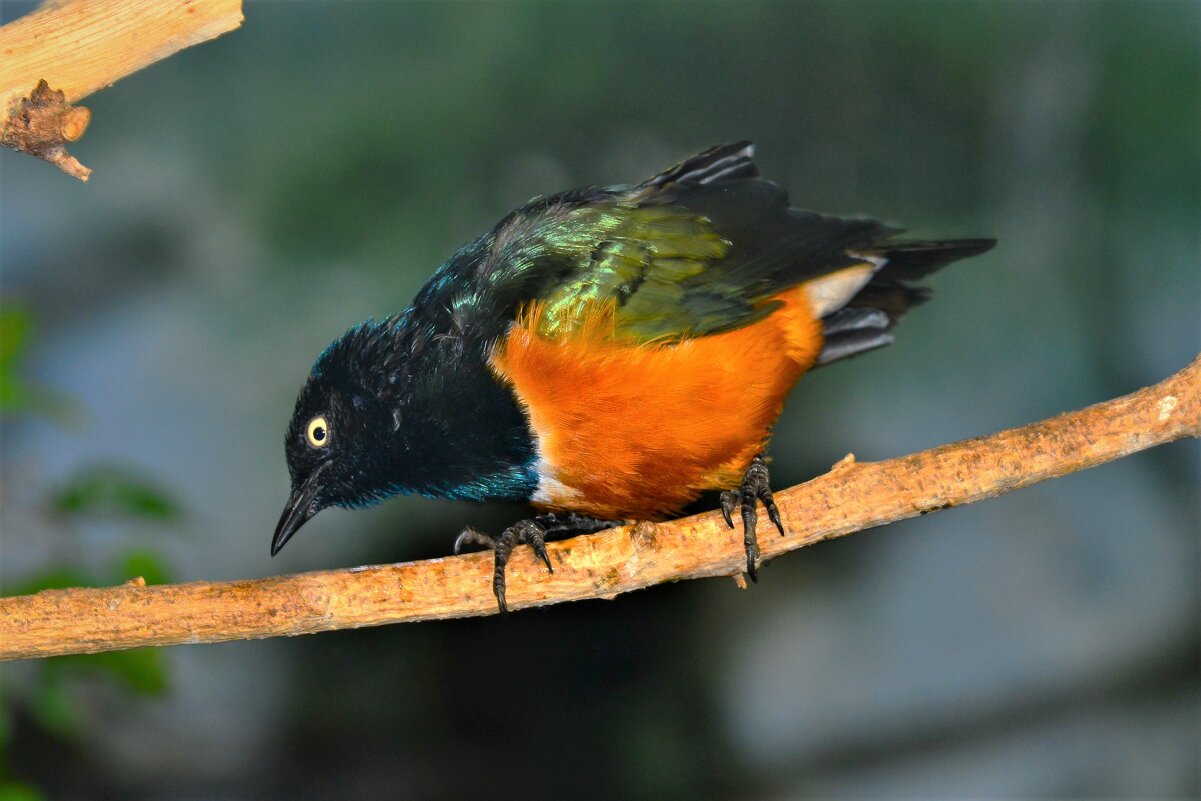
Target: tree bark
64 51
851 497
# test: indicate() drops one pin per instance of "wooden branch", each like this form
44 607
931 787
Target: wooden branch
71 48
852 497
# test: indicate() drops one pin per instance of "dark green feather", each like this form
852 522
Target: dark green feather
698 249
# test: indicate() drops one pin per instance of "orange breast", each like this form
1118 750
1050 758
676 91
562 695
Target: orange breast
628 430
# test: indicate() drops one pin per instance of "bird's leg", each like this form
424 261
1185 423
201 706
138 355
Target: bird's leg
532 532
756 486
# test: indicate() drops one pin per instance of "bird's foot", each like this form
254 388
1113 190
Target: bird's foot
756 486
533 532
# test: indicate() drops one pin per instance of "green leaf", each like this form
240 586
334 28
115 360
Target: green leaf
52 706
15 394
110 491
14 331
55 579
16 791
6 729
141 670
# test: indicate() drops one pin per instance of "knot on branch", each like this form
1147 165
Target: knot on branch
43 123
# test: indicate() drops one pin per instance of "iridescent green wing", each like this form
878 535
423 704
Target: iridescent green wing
642 270
696 250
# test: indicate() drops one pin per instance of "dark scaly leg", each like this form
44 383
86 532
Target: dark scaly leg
533 532
756 486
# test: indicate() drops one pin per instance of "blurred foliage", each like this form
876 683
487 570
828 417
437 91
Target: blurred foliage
16 791
14 330
141 671
10 788
16 394
51 698
114 492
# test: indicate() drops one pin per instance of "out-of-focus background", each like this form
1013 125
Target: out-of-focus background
255 196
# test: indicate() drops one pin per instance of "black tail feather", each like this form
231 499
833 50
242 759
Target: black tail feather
773 246
909 261
866 322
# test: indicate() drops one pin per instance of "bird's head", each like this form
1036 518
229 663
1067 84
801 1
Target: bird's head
343 434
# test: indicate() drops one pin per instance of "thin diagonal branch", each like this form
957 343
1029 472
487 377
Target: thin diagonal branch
66 49
852 497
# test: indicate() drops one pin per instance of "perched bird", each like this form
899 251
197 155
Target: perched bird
604 354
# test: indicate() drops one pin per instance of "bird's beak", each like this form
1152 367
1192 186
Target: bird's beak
297 512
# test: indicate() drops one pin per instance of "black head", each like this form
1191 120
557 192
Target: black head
344 435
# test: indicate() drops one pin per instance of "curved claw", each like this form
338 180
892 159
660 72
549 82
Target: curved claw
540 551
470 536
729 500
750 522
501 558
773 512
756 486
526 532
529 532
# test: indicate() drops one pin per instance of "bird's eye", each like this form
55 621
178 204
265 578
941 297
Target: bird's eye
317 432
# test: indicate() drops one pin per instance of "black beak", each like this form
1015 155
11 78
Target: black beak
298 511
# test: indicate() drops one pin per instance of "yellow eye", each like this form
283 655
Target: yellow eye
317 432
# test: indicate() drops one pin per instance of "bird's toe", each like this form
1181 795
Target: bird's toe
756 487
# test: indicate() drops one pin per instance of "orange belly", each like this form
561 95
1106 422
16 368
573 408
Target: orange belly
627 430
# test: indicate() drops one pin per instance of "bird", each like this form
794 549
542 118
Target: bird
604 355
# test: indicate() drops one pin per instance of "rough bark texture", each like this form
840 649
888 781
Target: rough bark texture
852 497
42 124
69 49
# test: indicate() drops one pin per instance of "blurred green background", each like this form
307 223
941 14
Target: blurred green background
255 196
